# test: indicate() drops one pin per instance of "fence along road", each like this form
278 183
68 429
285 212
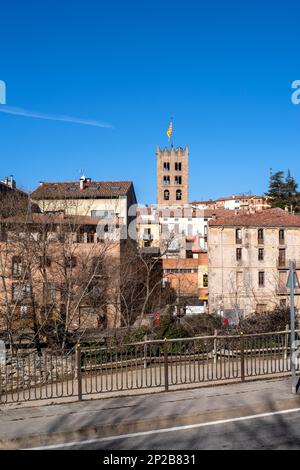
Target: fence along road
150 365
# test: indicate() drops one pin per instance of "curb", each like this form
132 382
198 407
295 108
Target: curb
99 431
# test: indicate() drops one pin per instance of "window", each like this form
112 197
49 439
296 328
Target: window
260 235
177 166
70 261
147 234
261 308
103 214
205 280
281 236
166 194
45 262
178 180
3 234
281 259
166 166
282 279
189 253
238 235
49 291
238 254
21 292
260 254
16 266
261 279
239 279
90 236
178 195
166 180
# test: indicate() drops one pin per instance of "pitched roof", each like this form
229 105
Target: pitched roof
268 218
92 190
240 196
4 188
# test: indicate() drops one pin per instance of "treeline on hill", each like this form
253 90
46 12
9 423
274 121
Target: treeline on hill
283 191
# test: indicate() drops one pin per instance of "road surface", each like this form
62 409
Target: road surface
272 430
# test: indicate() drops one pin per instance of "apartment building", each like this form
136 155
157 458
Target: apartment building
241 202
148 227
111 200
59 269
248 260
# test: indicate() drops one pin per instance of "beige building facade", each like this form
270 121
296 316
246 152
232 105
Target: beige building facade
248 261
111 200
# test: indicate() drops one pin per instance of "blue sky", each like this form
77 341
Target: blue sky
223 70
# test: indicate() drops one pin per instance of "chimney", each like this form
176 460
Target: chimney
81 182
41 183
12 183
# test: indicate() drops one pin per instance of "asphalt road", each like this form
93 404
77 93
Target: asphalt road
277 431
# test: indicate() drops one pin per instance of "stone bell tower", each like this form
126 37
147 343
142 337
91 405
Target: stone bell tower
172 173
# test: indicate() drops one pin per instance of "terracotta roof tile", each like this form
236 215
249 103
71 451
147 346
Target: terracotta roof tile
268 218
92 190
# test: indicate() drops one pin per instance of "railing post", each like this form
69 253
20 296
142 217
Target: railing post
78 370
166 365
145 352
215 346
286 341
242 346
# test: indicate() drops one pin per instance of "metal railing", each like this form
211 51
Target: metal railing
157 364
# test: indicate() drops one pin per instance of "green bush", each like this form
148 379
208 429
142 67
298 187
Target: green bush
170 327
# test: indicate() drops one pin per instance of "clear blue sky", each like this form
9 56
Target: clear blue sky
222 69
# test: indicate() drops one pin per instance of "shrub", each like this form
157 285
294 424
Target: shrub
201 325
261 323
170 328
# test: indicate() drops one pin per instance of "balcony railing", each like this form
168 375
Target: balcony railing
285 264
283 290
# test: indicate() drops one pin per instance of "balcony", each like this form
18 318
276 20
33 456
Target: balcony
283 290
285 264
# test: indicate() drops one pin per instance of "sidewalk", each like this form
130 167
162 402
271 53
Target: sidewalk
58 423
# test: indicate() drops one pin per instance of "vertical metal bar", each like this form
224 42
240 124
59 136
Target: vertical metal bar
79 374
286 344
292 313
242 357
215 346
166 366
